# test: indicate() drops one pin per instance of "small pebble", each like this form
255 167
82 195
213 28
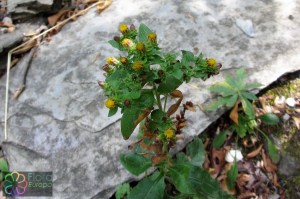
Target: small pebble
246 26
232 154
268 109
291 102
279 101
286 117
7 20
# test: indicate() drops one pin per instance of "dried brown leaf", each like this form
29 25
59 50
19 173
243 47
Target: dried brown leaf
52 20
247 195
157 159
174 107
217 159
255 152
234 115
225 188
141 117
268 164
297 121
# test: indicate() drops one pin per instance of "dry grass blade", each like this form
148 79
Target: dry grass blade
103 5
26 48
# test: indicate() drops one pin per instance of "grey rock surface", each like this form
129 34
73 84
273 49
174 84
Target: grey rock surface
60 123
21 9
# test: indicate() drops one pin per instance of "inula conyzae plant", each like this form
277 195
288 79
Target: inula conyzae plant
138 83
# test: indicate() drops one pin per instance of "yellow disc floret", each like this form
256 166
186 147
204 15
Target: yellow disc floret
127 43
169 133
137 65
123 60
112 61
152 37
211 62
110 103
123 28
140 47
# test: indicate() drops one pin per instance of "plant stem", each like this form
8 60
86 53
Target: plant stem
165 105
157 98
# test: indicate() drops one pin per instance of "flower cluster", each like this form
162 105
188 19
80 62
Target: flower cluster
136 79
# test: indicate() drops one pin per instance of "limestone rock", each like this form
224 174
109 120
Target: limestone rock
20 9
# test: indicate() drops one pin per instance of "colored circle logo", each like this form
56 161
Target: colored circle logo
14 184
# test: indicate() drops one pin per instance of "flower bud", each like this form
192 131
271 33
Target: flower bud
140 47
106 68
123 60
152 37
132 27
211 62
110 103
126 103
116 38
128 43
137 65
101 84
113 61
123 28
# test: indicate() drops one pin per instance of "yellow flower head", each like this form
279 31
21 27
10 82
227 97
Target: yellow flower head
152 37
123 28
110 103
137 65
112 61
140 47
123 60
127 43
169 133
211 62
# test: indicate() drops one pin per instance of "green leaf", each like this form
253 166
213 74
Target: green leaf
144 31
115 44
127 121
112 111
269 119
196 151
253 85
219 139
232 175
151 187
216 104
247 107
147 98
179 174
203 186
3 168
223 89
187 57
231 100
273 151
241 78
169 85
249 95
122 190
135 164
